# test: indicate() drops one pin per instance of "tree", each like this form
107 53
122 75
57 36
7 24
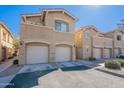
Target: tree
16 42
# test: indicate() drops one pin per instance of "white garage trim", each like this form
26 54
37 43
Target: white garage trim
37 54
62 53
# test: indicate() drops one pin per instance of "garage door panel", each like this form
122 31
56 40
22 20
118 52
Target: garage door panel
97 53
37 54
106 53
63 54
116 51
122 50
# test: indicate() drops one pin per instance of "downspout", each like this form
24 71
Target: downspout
92 47
43 18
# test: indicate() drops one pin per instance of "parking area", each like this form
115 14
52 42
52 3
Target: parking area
77 74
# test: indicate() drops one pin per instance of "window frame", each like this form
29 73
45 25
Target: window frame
87 34
119 37
62 23
4 36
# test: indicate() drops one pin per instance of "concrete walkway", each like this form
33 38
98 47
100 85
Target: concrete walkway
5 69
92 64
6 64
4 81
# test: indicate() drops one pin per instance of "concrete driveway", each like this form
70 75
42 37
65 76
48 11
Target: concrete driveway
80 74
79 79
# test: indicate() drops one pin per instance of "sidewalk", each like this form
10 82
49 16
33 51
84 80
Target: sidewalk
5 72
92 64
6 64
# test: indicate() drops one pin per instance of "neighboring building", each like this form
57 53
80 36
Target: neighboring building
47 37
90 43
118 37
6 42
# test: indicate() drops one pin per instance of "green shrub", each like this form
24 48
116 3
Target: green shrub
92 58
15 62
121 62
113 64
3 60
10 57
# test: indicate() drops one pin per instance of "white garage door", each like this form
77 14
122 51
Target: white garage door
37 54
106 53
116 51
97 53
63 53
122 50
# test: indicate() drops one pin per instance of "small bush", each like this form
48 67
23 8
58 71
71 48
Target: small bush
3 60
15 62
92 59
121 62
10 57
113 64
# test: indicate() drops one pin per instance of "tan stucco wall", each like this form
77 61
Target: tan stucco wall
96 40
102 42
36 19
84 43
51 17
47 35
8 42
78 38
116 44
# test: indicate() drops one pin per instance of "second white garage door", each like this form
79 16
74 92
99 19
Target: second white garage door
116 52
97 53
63 53
37 54
106 53
122 51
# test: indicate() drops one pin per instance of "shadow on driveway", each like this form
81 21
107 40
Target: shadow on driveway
30 79
72 66
27 80
75 68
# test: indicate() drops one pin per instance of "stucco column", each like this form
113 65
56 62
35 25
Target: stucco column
0 53
102 52
73 53
51 57
112 52
92 47
22 54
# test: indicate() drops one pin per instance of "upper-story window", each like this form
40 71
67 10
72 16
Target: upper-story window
118 37
61 26
4 36
87 34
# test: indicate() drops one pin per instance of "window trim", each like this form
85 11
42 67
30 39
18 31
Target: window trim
62 22
119 37
88 34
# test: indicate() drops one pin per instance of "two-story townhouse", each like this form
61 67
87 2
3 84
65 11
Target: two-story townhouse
6 42
118 41
47 37
91 43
